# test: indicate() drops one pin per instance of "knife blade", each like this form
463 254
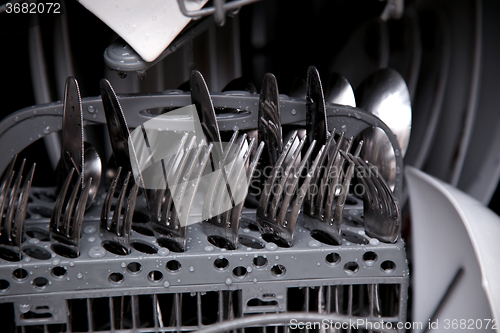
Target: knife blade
200 97
72 130
316 124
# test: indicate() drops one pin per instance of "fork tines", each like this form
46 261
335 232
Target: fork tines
281 187
172 204
67 216
118 220
228 189
327 194
13 202
382 215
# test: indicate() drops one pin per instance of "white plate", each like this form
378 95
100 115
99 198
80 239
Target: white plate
148 26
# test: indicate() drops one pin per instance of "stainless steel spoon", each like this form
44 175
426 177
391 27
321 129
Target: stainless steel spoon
386 95
93 169
339 91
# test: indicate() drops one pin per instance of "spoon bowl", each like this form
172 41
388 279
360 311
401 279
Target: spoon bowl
339 91
385 94
378 149
92 169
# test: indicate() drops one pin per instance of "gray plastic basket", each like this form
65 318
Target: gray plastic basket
154 289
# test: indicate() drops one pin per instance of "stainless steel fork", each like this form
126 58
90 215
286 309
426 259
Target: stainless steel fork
67 216
382 215
324 205
172 204
275 215
222 208
118 220
13 202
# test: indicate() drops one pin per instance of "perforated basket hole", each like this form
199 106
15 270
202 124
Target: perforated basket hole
142 230
221 263
354 238
351 267
173 266
143 247
39 234
9 255
278 270
253 227
169 244
220 242
323 237
64 251
40 282
251 242
333 258
59 271
155 276
20 274
116 278
140 217
271 238
115 248
37 252
388 266
370 257
259 261
134 267
240 272
4 285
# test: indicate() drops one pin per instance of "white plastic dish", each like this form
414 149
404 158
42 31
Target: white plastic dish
148 26
451 230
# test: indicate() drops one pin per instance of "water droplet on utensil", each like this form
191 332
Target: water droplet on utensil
374 241
229 281
293 112
79 275
397 152
191 268
166 284
46 130
91 239
56 261
208 248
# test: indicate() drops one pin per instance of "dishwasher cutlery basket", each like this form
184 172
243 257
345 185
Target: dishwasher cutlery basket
154 289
